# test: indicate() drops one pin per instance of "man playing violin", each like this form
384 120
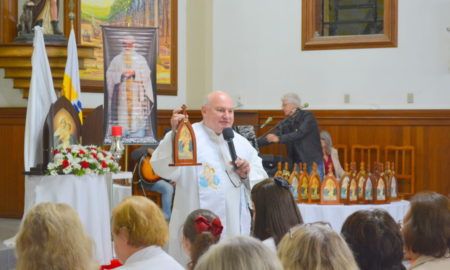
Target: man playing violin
299 131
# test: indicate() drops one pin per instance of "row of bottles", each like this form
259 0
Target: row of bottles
354 187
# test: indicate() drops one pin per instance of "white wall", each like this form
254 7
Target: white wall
257 56
198 52
253 51
10 97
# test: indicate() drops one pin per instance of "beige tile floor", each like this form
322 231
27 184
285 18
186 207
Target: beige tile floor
8 228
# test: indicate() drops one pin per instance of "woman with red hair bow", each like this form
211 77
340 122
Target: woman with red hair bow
201 229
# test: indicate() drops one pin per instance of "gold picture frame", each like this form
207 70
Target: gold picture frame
312 41
184 144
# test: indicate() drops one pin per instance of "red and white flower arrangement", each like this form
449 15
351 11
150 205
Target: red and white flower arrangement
80 160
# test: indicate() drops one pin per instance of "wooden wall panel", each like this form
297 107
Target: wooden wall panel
12 123
8 20
427 130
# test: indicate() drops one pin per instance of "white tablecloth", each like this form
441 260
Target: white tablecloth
120 192
337 214
87 194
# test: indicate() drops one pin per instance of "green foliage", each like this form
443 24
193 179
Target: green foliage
99 12
119 6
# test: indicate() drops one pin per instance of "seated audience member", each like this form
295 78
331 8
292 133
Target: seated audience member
239 253
375 239
163 186
330 155
52 237
315 246
139 231
426 232
201 229
275 210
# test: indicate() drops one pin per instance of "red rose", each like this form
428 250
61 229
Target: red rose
65 163
94 155
84 164
55 151
104 164
81 152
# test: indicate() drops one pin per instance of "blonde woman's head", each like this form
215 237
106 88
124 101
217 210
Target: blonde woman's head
142 220
52 237
239 253
315 247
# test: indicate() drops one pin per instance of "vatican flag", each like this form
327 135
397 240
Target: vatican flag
71 81
40 97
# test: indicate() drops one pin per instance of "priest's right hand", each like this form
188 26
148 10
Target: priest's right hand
176 118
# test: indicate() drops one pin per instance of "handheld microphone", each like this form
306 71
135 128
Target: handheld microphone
268 120
228 135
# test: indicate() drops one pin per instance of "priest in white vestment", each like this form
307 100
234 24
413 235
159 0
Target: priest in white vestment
215 185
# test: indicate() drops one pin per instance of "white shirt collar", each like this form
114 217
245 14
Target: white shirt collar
143 254
213 135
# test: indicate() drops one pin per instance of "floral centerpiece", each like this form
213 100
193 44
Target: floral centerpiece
80 160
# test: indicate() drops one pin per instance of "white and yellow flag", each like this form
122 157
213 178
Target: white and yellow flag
40 97
71 82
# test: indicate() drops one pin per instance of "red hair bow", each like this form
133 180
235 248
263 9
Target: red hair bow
203 225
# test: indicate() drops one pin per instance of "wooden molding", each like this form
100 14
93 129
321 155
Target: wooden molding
370 117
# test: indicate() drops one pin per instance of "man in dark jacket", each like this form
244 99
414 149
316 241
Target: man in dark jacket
299 131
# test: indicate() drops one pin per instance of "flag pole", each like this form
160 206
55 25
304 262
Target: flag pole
71 13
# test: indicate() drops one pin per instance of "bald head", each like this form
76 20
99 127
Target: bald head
218 111
215 95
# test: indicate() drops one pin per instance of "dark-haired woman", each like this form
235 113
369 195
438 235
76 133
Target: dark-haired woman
375 239
275 210
426 232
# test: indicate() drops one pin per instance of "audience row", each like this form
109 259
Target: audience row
52 237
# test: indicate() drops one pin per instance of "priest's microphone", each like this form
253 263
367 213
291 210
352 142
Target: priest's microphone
228 135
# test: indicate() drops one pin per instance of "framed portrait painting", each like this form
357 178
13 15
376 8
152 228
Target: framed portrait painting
130 83
161 14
